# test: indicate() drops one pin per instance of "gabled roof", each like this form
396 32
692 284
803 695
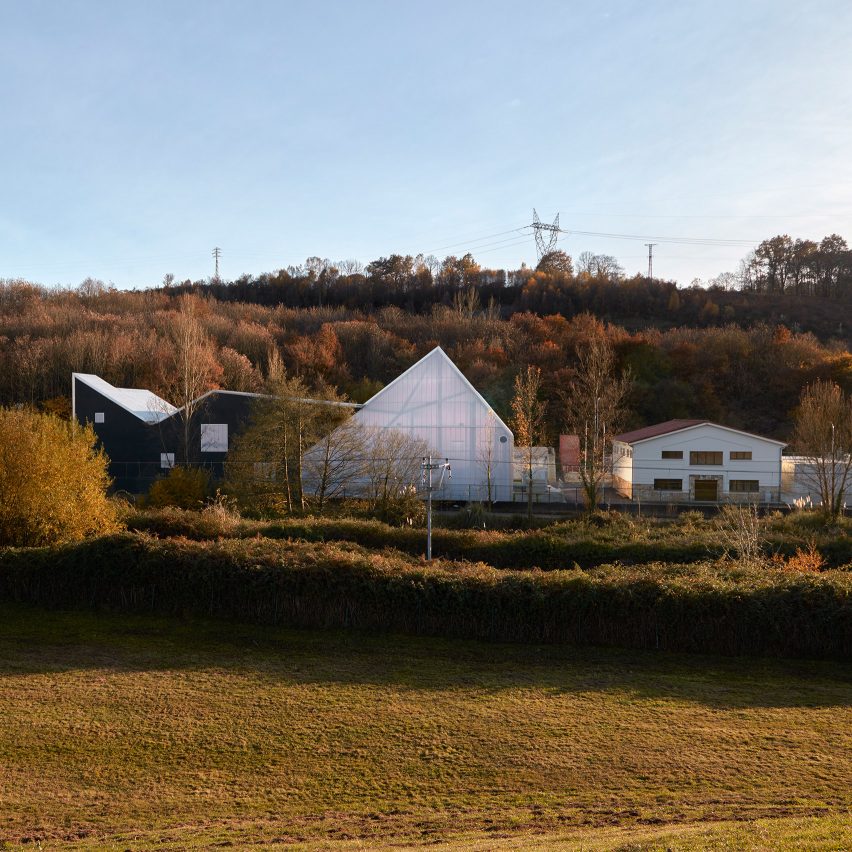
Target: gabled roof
658 429
437 353
670 426
144 404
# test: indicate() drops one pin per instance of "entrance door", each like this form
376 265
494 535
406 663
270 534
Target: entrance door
707 489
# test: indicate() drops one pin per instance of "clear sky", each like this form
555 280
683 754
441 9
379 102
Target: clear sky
135 137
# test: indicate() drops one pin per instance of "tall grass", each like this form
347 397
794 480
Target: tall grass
615 538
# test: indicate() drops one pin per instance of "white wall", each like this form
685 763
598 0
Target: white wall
648 464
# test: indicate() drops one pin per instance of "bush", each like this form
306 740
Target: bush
705 607
183 487
53 481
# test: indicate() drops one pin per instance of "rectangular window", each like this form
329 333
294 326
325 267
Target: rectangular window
167 461
741 455
705 458
99 417
672 454
214 437
741 486
668 485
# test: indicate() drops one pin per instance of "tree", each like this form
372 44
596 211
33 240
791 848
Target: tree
336 461
528 420
265 465
193 368
823 434
392 464
486 455
556 261
593 265
53 481
592 408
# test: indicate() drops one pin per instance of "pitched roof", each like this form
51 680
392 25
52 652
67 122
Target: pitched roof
143 404
437 353
657 429
670 426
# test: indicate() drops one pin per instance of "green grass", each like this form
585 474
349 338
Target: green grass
126 732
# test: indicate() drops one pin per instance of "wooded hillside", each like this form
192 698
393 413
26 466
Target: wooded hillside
748 377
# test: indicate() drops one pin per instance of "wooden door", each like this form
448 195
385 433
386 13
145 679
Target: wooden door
706 489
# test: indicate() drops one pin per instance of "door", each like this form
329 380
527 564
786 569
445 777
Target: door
707 489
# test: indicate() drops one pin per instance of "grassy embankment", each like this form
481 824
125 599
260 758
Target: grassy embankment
124 732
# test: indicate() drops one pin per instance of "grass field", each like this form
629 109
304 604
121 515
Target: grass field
141 733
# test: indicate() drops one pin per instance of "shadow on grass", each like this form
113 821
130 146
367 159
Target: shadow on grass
38 641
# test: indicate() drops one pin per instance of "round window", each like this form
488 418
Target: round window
503 439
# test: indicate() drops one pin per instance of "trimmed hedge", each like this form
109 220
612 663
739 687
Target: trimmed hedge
702 607
548 549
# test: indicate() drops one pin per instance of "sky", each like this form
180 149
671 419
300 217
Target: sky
135 137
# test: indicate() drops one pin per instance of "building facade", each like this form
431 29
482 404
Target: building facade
696 461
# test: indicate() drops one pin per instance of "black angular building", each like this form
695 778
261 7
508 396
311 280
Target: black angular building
143 435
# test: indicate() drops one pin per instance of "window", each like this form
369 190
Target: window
741 455
672 454
743 485
705 458
167 461
668 485
99 417
214 437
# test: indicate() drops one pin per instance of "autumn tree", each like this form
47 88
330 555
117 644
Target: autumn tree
528 412
486 455
593 407
53 481
192 369
265 465
823 434
556 261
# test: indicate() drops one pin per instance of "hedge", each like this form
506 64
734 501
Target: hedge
703 607
547 549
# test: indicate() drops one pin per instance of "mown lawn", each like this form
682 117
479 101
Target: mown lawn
138 733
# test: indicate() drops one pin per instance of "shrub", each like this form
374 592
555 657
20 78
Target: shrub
705 607
183 487
53 481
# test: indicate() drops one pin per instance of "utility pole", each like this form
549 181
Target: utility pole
217 253
650 260
426 468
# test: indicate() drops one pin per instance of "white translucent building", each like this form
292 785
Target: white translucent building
433 402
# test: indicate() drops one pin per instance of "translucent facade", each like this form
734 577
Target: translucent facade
436 406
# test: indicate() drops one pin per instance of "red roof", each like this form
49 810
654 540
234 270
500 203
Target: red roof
657 429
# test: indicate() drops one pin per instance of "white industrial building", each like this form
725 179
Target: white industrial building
695 460
433 402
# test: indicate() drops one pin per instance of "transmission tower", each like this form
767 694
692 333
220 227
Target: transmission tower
650 260
217 253
545 235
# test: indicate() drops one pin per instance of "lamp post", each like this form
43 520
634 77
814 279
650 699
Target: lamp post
426 468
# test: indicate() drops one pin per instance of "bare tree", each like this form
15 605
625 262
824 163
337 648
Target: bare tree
528 420
193 366
392 463
739 529
599 266
823 435
485 456
592 411
335 462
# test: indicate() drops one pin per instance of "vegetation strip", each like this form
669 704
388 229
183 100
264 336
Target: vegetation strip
565 545
704 607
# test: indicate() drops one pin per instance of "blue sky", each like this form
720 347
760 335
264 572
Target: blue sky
137 136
